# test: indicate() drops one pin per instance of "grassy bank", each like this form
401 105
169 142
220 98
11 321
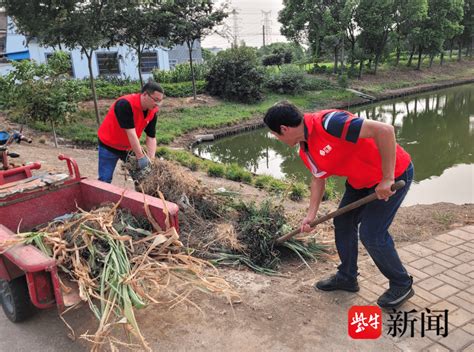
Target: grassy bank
175 122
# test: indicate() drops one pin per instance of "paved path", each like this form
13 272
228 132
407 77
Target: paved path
443 272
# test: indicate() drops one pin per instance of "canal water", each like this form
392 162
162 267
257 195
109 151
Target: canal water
436 128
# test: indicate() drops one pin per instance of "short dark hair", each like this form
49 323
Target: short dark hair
151 87
282 113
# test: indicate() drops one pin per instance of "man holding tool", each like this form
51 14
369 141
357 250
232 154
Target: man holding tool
122 127
335 142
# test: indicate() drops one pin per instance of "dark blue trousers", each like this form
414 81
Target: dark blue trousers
370 223
107 162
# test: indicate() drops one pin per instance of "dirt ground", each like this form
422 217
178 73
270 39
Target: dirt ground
276 313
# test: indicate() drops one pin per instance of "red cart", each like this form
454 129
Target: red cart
28 277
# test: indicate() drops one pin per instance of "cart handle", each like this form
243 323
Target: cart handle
74 173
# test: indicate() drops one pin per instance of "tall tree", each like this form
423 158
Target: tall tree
408 14
442 22
466 38
191 21
302 22
375 19
139 27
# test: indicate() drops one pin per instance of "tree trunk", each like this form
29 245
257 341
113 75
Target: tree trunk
352 55
54 134
369 64
360 68
377 58
336 53
139 53
190 49
441 58
431 60
397 60
459 51
451 49
342 56
420 51
92 82
412 52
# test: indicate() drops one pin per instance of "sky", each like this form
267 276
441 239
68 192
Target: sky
249 21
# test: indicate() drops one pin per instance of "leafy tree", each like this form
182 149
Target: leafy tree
234 74
442 22
466 38
41 92
408 14
375 19
191 21
139 27
207 55
302 22
278 56
351 29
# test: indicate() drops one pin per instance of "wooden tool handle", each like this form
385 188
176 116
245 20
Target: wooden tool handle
395 187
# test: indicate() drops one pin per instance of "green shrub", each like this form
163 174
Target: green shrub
297 191
216 170
263 181
234 172
181 73
330 191
352 72
193 165
163 152
318 69
278 185
234 74
313 83
289 80
343 81
117 80
187 159
183 89
108 90
247 177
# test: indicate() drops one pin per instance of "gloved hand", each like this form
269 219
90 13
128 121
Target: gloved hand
143 162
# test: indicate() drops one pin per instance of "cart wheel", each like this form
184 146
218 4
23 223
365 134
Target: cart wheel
16 299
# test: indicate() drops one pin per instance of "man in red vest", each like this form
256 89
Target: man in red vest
335 142
122 127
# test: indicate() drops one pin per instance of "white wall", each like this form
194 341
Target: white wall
127 58
15 42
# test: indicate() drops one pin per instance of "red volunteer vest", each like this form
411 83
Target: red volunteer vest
360 162
110 133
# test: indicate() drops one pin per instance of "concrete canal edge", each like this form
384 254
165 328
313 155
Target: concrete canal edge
237 129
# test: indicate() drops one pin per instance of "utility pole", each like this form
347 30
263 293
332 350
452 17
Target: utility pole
263 33
235 28
267 27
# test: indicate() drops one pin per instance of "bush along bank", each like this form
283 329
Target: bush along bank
292 189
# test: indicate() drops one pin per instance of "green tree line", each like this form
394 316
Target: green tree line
368 31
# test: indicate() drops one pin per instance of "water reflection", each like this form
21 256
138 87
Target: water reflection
435 128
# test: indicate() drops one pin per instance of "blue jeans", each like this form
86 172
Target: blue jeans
371 222
107 162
